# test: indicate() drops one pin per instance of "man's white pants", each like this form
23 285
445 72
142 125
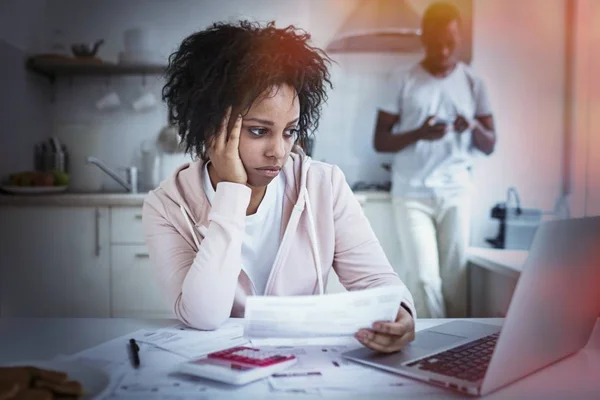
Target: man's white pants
434 237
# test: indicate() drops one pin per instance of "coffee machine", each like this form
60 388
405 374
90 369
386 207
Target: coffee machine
517 225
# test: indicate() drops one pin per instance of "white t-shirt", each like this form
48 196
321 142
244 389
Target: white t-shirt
428 167
263 231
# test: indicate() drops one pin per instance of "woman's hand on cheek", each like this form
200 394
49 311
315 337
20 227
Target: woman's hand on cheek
387 336
224 152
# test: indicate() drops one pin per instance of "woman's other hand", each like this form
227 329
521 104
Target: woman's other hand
387 336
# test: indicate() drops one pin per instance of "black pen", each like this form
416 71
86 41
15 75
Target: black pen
135 353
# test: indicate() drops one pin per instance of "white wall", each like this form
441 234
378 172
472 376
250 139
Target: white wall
518 50
20 21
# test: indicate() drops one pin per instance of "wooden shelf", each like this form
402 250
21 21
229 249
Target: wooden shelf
57 67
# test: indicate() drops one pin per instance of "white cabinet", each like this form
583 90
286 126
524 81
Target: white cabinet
489 292
381 217
134 288
126 225
54 262
493 277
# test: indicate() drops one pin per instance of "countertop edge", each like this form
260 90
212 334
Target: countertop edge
123 199
506 262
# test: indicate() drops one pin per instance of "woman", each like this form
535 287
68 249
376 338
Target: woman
255 216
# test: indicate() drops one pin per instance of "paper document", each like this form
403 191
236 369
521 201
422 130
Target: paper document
344 377
158 383
193 343
339 314
323 368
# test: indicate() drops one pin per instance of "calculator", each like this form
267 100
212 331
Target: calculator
239 365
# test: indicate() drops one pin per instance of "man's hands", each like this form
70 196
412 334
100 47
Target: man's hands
387 336
224 152
431 130
462 123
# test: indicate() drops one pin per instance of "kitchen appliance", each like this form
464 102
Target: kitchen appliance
394 26
517 224
82 140
168 163
160 157
379 26
171 151
51 155
150 163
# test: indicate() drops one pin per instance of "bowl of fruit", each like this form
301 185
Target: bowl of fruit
36 182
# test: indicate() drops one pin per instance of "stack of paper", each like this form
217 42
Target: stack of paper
192 343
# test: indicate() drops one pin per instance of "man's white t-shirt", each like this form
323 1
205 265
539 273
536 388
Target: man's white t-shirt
428 167
263 231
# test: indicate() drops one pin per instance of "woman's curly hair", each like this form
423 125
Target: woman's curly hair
232 65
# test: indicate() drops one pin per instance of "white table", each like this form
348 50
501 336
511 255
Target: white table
576 377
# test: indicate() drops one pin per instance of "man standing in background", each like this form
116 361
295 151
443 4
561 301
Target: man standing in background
440 117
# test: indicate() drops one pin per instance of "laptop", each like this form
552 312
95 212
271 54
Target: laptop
551 315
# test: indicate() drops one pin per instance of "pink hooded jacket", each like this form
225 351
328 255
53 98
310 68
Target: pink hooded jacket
196 249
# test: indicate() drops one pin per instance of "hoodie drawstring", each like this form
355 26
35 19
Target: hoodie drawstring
190 226
312 233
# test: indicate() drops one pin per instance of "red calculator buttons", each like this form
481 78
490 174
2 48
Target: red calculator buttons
251 356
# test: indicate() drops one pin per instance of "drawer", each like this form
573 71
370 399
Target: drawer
126 225
135 292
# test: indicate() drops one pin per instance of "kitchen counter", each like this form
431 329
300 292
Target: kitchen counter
369 195
505 262
122 199
75 200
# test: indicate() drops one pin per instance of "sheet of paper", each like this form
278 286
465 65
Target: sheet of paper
110 355
321 367
351 377
153 384
348 341
418 390
339 314
192 343
314 358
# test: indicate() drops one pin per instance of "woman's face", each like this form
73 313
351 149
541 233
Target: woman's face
268 134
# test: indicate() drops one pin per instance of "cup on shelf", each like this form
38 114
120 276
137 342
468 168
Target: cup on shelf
144 102
109 101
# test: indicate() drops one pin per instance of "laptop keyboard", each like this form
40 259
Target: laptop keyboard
468 362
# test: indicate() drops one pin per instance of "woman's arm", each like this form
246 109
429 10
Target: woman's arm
359 260
200 283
